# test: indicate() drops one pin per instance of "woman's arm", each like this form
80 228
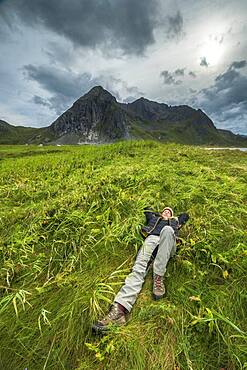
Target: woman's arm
149 213
182 219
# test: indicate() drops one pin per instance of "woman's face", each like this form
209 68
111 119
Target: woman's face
166 213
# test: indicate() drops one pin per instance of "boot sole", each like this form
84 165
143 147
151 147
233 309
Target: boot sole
158 297
99 329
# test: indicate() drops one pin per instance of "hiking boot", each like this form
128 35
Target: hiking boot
116 316
158 287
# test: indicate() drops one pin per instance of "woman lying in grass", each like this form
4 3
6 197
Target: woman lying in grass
159 245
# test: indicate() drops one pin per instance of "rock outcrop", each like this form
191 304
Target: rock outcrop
95 117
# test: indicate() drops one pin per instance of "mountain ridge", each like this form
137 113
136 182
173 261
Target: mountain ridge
97 117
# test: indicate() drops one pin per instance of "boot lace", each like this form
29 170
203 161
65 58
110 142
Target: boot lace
158 282
113 312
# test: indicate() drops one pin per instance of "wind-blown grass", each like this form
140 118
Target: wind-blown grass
69 222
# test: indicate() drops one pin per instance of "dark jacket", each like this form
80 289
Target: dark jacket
155 222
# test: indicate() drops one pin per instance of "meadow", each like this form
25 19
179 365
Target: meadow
70 223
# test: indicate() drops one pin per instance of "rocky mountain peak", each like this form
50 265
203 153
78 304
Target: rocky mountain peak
141 100
147 109
94 117
98 93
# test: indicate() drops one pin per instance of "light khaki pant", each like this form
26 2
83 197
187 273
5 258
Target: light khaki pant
127 295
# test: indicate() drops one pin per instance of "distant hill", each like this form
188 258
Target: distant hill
10 134
97 117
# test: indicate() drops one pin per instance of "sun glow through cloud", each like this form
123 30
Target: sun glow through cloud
212 50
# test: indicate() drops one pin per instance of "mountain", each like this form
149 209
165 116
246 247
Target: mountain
166 123
97 117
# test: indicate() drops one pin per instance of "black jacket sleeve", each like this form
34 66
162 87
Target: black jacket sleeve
183 218
149 213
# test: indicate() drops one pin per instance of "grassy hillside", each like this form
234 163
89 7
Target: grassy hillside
69 223
21 135
185 132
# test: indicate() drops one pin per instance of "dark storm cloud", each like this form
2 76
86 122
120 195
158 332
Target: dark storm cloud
168 78
125 24
57 81
175 25
225 79
38 100
58 102
226 99
7 23
179 72
204 62
64 85
238 65
192 74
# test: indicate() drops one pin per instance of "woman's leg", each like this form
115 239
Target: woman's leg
167 248
127 295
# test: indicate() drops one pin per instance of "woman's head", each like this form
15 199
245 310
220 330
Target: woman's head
167 212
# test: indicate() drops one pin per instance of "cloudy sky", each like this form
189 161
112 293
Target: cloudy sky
176 52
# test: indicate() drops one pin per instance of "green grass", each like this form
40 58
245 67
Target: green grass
69 223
